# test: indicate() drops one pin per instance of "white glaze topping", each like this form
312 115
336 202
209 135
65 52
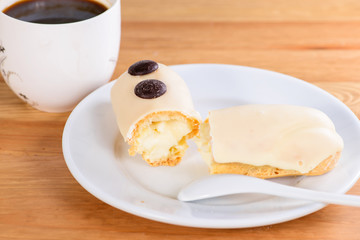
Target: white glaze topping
283 136
129 108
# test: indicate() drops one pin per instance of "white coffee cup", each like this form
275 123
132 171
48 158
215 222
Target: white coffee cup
53 66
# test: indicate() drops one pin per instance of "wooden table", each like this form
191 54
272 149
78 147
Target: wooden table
315 40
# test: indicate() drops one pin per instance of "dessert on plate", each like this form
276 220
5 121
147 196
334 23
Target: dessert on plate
154 112
268 141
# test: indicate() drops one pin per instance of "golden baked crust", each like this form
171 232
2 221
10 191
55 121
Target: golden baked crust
176 152
271 172
203 141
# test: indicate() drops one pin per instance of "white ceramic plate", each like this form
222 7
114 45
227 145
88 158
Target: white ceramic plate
129 184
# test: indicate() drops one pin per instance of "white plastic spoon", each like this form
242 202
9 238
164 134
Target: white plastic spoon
226 184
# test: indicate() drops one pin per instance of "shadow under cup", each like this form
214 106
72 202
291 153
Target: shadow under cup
54 66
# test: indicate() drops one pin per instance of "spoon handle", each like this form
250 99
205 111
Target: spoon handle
311 195
226 184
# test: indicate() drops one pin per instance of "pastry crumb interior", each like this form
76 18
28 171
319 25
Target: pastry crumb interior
203 142
162 139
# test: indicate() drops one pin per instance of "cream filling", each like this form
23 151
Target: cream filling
158 140
203 142
132 128
283 136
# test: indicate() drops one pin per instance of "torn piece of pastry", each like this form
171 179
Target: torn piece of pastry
268 141
154 112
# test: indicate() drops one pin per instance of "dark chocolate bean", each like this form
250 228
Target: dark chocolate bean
143 67
150 88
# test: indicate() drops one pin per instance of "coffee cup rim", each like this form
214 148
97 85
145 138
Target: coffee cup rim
113 4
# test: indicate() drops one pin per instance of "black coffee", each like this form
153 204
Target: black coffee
54 11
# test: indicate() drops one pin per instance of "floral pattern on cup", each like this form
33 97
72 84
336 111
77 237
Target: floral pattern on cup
10 76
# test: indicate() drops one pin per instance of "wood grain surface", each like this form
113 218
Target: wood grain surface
315 40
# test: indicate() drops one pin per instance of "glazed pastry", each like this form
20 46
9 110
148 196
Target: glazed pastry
268 141
154 112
